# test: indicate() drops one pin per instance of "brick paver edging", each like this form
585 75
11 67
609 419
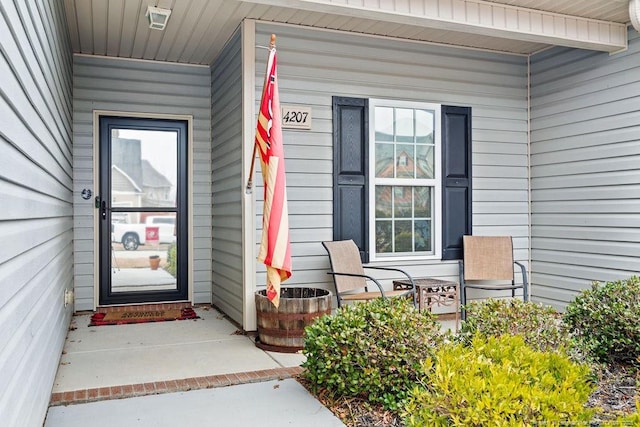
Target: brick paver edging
170 386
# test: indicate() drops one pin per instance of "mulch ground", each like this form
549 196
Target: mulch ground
354 412
615 394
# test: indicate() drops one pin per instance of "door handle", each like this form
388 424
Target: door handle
104 210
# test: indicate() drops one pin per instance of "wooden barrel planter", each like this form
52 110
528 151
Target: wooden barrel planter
282 329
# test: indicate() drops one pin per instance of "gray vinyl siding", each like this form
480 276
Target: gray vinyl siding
315 65
585 173
36 225
227 186
102 83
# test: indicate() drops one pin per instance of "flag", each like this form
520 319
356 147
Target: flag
275 248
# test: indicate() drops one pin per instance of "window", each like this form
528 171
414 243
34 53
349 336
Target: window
404 169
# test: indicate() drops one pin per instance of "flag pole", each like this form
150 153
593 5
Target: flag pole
272 45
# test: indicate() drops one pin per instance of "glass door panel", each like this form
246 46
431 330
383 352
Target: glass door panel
144 252
143 178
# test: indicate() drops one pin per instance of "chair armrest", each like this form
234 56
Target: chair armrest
413 285
525 282
333 273
408 276
524 271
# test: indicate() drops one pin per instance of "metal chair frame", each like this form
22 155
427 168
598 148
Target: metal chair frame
344 252
496 250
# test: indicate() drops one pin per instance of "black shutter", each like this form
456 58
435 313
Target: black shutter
456 179
350 168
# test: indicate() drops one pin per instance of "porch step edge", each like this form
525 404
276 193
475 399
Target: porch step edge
73 397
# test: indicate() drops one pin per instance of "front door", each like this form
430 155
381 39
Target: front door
142 210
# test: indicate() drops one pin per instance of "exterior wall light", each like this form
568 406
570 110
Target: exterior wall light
158 17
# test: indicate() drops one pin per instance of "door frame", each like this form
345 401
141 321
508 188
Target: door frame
96 185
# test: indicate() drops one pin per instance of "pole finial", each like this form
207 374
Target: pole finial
272 43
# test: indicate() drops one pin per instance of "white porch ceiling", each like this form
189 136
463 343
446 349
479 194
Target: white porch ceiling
198 29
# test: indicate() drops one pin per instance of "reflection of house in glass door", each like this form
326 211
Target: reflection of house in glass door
156 188
143 181
135 181
125 193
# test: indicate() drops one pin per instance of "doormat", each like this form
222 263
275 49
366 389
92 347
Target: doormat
127 317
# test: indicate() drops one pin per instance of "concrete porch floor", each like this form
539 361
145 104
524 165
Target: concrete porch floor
105 356
137 370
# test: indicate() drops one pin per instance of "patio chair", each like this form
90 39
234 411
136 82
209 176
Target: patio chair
489 259
350 280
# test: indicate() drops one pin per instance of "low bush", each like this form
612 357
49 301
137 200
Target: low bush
540 326
172 261
499 382
604 320
370 350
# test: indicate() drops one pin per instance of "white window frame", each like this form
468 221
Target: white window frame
436 201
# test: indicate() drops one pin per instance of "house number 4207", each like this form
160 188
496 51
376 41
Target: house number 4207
296 117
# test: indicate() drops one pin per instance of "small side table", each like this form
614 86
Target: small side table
431 292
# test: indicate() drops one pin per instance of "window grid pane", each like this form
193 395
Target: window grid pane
407 135
403 219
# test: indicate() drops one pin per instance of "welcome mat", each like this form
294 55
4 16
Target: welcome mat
126 317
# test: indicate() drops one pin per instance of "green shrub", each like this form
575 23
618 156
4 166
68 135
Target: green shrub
370 350
540 326
605 321
172 262
499 382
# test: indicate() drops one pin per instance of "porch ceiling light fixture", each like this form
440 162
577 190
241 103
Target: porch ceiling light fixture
158 17
634 14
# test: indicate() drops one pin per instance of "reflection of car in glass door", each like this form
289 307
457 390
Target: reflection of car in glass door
133 235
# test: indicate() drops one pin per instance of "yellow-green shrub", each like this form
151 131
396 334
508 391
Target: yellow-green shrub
499 382
625 420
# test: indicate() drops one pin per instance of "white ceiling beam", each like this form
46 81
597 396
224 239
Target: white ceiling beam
478 17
